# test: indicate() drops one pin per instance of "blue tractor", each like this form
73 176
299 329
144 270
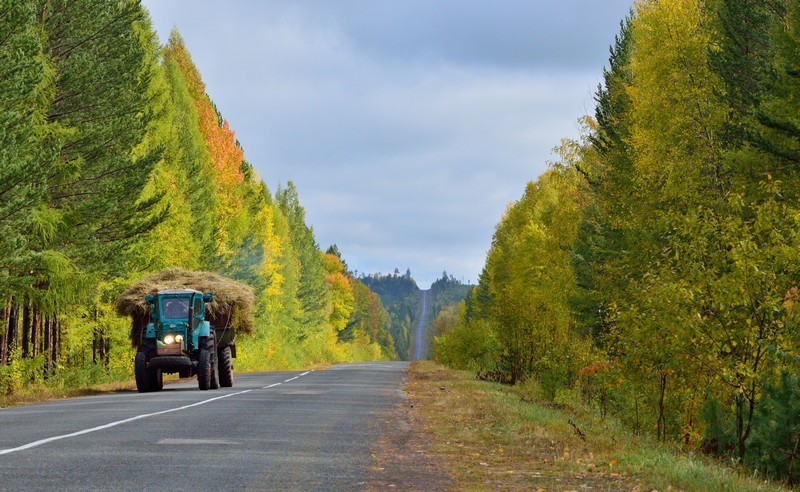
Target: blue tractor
179 338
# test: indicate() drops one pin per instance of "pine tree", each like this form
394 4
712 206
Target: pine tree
99 106
312 292
23 147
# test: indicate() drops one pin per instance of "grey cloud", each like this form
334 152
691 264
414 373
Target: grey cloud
511 33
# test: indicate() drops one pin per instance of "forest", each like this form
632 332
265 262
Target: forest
651 273
400 295
115 163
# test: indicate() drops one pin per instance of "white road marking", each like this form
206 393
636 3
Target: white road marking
114 424
132 419
195 441
307 372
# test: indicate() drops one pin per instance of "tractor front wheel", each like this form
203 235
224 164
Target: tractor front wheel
211 348
225 367
214 384
156 379
204 372
140 370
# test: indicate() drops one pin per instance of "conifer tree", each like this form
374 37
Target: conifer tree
312 293
23 150
100 109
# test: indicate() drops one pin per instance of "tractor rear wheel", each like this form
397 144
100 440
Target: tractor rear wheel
204 369
225 367
140 370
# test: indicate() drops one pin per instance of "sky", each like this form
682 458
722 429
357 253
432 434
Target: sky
407 126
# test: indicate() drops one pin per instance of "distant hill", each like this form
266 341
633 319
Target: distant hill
447 292
400 295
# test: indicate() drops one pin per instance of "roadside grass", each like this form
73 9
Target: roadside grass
494 436
39 394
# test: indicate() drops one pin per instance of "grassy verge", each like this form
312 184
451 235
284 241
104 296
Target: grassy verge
494 436
43 393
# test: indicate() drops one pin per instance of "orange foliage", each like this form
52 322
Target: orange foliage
594 368
220 140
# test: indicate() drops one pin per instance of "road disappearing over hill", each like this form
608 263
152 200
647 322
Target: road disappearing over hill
420 351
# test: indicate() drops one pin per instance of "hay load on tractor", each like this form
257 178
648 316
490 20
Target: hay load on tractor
186 322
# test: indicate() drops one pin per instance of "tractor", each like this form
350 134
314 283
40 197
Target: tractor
180 338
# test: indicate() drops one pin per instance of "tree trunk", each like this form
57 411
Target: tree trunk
790 464
12 330
94 346
740 427
46 347
4 312
26 330
37 331
100 344
106 349
56 345
662 426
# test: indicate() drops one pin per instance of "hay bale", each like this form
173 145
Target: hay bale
232 305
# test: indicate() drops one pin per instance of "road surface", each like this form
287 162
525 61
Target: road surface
291 430
420 351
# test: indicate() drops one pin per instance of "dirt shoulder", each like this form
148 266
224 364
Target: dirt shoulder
404 457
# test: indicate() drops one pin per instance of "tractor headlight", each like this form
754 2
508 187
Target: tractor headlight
169 339
178 338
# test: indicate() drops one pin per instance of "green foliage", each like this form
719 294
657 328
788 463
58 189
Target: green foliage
311 292
399 294
447 292
23 83
468 346
99 110
776 443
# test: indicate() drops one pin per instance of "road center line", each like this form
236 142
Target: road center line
114 424
291 379
271 386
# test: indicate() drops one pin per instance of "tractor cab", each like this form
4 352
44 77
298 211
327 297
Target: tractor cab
177 320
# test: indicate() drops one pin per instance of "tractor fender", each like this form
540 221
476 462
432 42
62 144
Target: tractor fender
204 330
150 331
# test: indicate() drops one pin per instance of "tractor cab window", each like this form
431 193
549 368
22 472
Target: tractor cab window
175 308
198 312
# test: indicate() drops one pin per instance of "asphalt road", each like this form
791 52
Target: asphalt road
272 431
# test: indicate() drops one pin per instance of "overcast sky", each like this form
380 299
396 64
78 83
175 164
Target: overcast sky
407 126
